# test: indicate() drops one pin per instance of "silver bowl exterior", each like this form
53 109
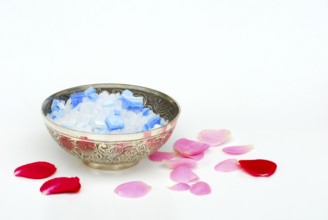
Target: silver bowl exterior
115 151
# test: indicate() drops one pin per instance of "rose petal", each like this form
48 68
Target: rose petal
188 147
159 156
134 189
174 163
180 187
237 150
227 165
183 174
200 188
61 185
195 157
36 170
214 137
258 167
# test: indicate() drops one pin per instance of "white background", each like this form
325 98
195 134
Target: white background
257 68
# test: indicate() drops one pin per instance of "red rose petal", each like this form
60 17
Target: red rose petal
237 150
183 174
200 188
214 137
180 187
186 147
227 165
159 156
61 185
36 170
134 189
258 167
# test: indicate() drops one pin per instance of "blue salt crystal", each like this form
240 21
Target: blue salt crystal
125 103
145 128
114 122
145 111
118 106
127 93
57 114
77 98
57 104
53 116
163 122
60 113
153 121
91 93
136 103
132 103
117 112
93 96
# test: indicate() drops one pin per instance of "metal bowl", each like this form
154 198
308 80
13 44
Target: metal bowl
114 151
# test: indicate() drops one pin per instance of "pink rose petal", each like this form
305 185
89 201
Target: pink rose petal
237 150
227 165
180 187
61 185
159 156
174 163
195 157
134 189
200 188
214 137
36 170
186 147
183 174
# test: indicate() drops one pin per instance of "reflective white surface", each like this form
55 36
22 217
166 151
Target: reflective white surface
258 68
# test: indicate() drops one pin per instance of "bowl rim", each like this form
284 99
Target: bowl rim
110 137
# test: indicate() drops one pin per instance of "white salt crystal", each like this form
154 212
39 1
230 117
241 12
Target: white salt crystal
90 115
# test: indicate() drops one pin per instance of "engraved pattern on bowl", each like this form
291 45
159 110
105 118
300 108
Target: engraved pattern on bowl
117 151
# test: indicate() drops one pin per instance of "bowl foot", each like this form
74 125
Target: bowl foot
102 166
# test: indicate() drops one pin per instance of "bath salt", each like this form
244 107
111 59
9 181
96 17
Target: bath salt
104 113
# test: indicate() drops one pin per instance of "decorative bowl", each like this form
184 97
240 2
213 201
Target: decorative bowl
114 151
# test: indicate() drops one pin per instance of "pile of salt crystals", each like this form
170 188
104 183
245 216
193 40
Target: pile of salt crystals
104 113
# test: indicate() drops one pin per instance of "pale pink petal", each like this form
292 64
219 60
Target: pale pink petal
187 147
174 163
159 156
134 189
180 187
237 150
200 188
214 137
183 174
196 157
228 165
